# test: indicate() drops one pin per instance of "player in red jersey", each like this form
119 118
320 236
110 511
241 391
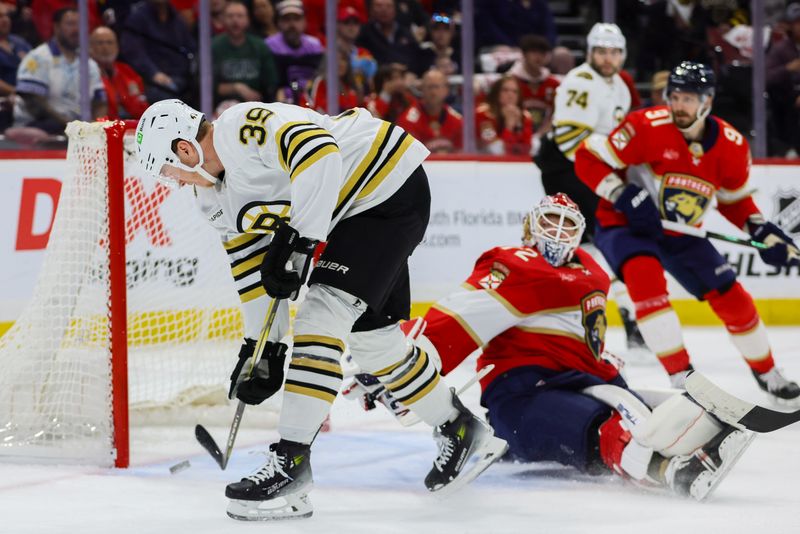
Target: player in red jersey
537 311
536 84
676 159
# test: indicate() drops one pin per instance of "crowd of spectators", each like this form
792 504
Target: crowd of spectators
401 59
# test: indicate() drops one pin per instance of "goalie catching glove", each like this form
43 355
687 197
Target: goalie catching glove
286 263
265 379
782 250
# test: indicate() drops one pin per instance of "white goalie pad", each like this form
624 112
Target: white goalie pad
677 426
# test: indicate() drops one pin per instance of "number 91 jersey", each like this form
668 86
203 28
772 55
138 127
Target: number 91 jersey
682 178
587 103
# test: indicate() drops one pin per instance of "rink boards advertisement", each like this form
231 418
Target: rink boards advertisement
476 205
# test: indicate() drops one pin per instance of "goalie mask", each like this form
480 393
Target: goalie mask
555 228
160 125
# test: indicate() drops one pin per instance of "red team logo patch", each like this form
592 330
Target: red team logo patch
684 198
593 310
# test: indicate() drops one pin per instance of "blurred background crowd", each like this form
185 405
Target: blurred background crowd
401 59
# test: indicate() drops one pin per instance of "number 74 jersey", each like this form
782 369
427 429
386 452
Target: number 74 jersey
682 177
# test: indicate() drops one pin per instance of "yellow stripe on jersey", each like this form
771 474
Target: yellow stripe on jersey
317 364
461 322
551 332
313 156
241 242
298 138
283 147
387 167
424 391
248 266
311 339
310 390
252 292
355 179
570 133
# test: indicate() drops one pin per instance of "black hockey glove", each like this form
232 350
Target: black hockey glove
641 212
782 250
267 377
287 247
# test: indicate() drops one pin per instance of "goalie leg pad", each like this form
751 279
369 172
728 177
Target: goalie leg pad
677 426
623 455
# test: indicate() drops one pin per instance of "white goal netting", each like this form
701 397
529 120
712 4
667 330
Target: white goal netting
183 321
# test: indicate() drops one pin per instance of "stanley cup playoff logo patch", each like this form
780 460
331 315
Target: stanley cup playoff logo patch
787 211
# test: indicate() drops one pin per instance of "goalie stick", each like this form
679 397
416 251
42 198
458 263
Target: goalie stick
200 432
735 411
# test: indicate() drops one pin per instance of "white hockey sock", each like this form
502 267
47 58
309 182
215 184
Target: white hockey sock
314 377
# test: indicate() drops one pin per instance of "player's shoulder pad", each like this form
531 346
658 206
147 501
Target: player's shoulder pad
582 75
729 136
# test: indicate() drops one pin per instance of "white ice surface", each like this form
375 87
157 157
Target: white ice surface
368 473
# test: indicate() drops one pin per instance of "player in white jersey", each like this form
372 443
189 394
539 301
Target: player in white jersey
274 180
591 101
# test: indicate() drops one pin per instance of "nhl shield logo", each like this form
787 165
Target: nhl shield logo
787 211
593 308
684 199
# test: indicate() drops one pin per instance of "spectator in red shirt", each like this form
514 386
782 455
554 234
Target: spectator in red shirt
432 121
502 125
124 88
391 97
537 86
315 15
348 95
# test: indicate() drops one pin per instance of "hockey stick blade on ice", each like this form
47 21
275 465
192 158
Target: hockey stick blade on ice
202 435
735 411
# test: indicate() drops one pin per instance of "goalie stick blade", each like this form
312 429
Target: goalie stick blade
734 411
208 443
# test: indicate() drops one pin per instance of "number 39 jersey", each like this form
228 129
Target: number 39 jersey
292 163
682 178
522 311
587 104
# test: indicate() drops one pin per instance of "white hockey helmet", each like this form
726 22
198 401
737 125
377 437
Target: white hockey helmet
605 35
555 227
160 125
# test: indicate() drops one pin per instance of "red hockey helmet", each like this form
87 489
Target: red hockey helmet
555 228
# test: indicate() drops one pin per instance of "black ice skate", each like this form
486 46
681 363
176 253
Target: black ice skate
632 332
467 446
780 389
698 474
279 490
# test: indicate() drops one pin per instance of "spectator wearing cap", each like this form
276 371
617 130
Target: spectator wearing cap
244 69
392 96
124 88
537 86
263 19
783 84
297 55
349 95
315 14
438 52
657 85
505 22
361 61
388 41
156 42
432 121
48 80
502 126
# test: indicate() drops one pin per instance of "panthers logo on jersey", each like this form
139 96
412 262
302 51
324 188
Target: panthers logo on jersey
593 308
684 199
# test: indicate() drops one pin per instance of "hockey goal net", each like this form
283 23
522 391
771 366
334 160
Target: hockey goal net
134 308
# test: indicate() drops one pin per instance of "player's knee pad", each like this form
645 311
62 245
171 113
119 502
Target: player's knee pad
327 311
379 348
623 455
677 426
735 307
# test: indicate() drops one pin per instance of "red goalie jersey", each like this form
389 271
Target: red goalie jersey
523 311
681 177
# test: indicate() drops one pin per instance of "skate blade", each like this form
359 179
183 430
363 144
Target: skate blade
783 403
722 473
491 450
279 509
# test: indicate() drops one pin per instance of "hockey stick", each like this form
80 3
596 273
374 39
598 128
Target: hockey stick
735 411
200 432
412 419
701 232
